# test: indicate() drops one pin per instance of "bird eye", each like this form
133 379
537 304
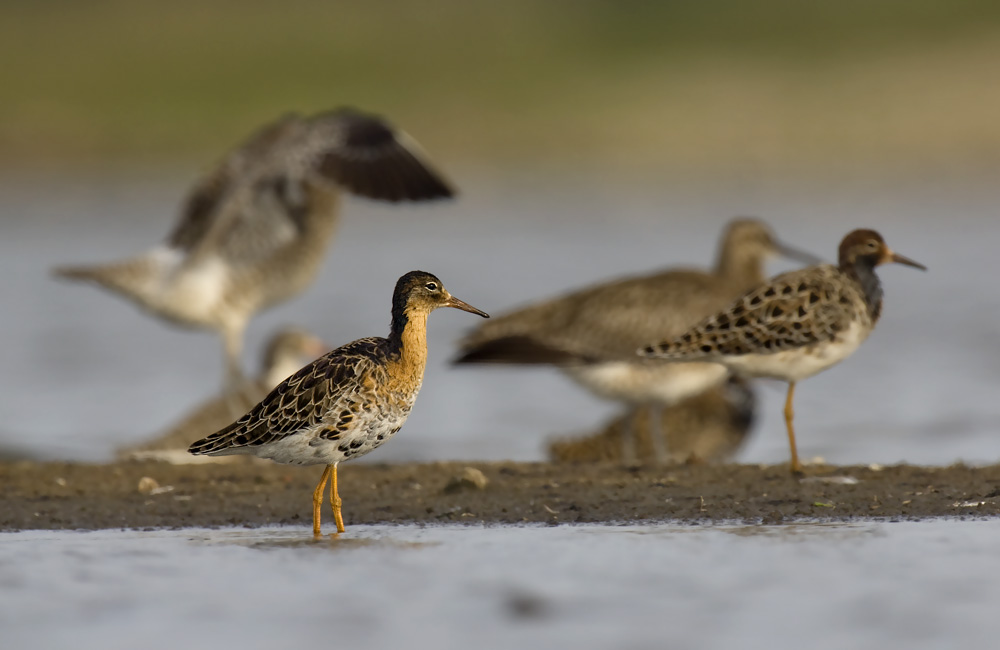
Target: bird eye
431 286
872 245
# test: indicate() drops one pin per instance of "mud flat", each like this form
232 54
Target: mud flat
74 496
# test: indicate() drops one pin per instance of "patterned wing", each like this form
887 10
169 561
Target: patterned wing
326 393
792 310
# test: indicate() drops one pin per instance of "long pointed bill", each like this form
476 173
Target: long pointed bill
796 254
901 259
464 306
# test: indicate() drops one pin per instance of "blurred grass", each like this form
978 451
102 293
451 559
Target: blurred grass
703 86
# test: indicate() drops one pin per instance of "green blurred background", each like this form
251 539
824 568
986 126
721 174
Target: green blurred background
696 88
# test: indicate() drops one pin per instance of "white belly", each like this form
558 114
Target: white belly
638 383
307 448
193 294
794 365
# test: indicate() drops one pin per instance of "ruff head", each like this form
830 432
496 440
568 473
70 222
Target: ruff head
419 291
867 248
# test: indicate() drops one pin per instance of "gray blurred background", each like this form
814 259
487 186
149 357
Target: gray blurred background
588 140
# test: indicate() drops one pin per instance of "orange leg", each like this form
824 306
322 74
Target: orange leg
318 496
335 501
789 415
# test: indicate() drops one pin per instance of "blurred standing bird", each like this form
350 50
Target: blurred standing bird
796 324
286 351
349 401
592 334
253 232
707 428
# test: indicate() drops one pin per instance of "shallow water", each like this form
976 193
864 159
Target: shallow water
871 585
83 371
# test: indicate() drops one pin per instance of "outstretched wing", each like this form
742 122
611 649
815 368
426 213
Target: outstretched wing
256 201
318 395
790 311
370 157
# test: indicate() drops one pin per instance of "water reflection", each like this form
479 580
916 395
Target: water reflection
858 585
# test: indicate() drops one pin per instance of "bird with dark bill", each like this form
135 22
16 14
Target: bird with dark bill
592 334
349 401
796 324
252 233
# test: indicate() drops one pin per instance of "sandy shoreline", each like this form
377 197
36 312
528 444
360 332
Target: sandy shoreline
88 497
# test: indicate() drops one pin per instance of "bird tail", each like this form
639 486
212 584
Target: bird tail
89 273
669 349
514 350
233 439
133 278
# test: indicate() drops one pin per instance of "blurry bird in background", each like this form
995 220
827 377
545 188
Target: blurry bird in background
710 427
253 232
592 334
286 351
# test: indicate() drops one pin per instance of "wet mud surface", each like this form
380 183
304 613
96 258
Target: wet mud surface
151 494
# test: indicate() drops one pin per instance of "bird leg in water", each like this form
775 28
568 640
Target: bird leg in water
335 501
789 415
318 497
